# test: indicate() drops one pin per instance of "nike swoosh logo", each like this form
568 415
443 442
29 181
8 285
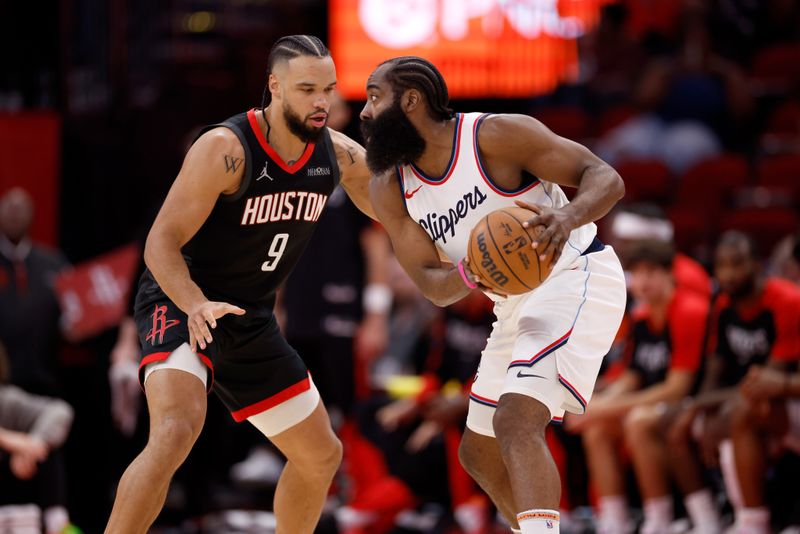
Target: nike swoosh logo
521 375
410 194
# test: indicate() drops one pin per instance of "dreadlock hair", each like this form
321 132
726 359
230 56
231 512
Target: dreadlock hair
290 47
409 72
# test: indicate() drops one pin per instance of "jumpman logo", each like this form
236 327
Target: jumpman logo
160 325
264 173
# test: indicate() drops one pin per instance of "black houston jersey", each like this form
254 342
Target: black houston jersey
252 239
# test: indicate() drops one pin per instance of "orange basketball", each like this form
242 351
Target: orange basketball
500 252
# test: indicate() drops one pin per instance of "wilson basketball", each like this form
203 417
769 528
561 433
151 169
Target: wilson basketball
500 252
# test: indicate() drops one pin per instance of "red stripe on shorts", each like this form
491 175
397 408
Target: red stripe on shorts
271 402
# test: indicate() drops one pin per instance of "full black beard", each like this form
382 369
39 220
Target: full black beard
298 127
391 139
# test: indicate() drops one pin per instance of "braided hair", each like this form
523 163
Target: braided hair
409 72
290 47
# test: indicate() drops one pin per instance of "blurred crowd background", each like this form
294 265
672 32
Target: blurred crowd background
695 102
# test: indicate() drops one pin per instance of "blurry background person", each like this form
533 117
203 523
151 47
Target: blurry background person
32 428
692 100
766 426
29 311
756 322
664 355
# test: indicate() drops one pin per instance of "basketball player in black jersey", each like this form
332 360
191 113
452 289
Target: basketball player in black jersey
234 223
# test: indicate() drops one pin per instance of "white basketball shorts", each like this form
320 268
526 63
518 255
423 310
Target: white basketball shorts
548 344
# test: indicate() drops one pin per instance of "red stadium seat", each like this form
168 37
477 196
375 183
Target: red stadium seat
645 180
693 228
785 119
612 118
780 172
568 122
767 226
776 66
708 184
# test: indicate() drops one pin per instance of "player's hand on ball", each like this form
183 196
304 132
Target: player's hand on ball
478 282
557 227
204 316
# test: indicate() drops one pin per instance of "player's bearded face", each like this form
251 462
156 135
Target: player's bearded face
391 139
300 127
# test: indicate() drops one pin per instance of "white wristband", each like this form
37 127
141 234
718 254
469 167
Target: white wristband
377 298
123 370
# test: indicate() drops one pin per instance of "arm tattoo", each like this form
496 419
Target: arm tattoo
232 164
350 153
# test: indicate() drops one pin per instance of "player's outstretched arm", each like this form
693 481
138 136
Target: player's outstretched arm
533 147
355 175
213 166
414 249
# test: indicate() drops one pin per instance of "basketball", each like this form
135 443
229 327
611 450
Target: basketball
500 252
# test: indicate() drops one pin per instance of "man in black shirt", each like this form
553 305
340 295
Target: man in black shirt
29 311
233 225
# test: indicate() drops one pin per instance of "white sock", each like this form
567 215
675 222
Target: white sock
727 465
56 519
702 511
515 531
753 520
538 521
657 515
613 514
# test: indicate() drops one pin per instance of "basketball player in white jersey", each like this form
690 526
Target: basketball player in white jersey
435 175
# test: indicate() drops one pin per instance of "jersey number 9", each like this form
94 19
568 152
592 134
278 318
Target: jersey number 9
275 252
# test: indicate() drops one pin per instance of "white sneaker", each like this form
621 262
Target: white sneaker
261 467
471 517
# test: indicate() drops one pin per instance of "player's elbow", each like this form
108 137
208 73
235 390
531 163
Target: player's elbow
616 186
150 247
154 246
439 297
439 300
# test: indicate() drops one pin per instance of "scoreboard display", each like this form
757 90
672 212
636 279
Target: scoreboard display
484 48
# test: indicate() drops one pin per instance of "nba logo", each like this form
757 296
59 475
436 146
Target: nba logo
549 523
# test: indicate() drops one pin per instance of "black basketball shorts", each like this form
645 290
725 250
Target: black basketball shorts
250 365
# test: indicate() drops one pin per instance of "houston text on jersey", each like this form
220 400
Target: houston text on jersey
290 205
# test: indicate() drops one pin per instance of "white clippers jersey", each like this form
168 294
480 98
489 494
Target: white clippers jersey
449 207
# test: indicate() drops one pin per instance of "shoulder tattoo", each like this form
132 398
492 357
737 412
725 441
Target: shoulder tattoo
351 154
232 164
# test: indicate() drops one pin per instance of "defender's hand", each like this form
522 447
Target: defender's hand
557 227
205 315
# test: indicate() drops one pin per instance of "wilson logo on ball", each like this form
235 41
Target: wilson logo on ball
488 263
501 253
